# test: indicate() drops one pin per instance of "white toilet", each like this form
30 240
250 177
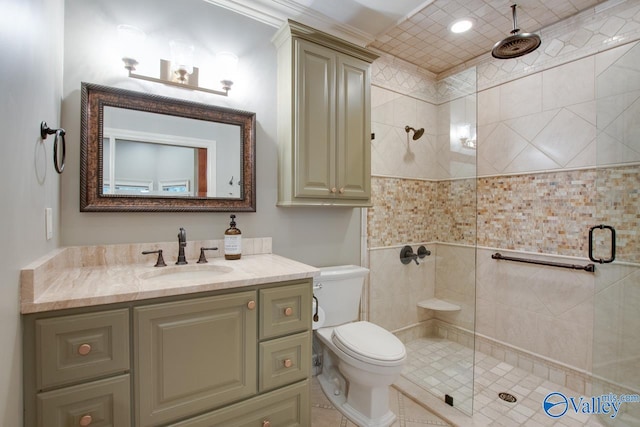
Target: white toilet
360 360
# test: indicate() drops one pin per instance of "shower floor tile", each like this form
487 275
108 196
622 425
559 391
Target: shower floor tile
442 366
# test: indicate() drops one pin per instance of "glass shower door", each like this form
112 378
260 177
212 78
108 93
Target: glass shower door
616 333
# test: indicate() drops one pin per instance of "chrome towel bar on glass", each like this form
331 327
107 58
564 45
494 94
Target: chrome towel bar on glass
45 131
589 267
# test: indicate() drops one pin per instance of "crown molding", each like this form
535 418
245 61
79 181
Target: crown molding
275 13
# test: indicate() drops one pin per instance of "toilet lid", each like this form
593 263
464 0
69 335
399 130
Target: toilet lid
369 343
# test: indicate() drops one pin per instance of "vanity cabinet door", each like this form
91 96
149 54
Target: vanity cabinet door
284 361
285 310
285 407
98 403
81 347
194 355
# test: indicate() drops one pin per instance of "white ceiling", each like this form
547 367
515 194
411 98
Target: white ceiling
415 30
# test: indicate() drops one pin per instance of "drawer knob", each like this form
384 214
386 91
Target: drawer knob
251 305
83 350
288 363
266 423
86 420
341 191
333 190
288 311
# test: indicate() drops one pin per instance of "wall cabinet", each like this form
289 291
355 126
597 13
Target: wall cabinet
324 119
238 358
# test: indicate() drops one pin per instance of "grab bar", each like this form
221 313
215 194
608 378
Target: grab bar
589 267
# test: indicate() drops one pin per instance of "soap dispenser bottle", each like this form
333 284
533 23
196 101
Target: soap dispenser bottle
232 241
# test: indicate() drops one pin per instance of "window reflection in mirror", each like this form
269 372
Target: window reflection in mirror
149 154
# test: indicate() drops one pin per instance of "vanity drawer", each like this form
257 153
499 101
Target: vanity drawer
286 407
284 361
285 310
98 403
80 347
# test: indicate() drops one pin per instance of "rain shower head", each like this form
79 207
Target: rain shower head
416 133
517 44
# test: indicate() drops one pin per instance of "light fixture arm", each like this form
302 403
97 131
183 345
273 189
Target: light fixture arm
183 81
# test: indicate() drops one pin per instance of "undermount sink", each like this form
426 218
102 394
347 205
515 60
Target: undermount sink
186 273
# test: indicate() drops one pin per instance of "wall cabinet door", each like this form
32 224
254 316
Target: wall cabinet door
324 119
353 140
315 121
195 355
332 125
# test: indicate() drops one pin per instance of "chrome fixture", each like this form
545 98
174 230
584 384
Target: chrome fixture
180 71
416 133
517 44
182 243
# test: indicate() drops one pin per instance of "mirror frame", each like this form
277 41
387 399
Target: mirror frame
93 100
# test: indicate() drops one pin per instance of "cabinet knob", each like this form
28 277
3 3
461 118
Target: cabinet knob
333 190
288 311
288 363
341 190
85 420
266 423
251 305
83 350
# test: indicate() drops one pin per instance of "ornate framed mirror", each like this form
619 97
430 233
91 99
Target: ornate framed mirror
149 153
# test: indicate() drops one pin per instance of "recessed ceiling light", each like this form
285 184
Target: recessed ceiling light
461 25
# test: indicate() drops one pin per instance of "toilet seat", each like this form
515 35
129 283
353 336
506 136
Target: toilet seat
369 343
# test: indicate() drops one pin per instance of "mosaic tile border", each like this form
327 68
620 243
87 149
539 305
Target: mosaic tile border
537 212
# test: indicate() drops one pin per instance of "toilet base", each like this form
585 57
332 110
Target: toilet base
333 386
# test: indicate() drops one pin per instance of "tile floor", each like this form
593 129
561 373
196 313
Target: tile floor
443 366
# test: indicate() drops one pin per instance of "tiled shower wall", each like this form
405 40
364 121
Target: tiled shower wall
536 191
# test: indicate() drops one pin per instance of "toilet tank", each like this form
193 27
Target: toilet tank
338 290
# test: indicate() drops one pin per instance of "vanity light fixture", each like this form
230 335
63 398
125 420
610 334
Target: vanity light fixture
179 71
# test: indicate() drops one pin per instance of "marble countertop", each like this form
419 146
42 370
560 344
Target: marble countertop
87 276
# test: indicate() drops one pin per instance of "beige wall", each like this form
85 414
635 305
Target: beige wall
318 236
31 86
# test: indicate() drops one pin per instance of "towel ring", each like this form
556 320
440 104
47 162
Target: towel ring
59 135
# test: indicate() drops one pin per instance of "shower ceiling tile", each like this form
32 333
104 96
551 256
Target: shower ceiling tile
393 27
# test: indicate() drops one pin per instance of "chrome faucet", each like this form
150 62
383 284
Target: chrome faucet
182 243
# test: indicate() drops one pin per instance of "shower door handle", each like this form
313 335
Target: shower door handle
613 244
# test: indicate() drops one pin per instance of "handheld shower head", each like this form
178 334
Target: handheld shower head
417 134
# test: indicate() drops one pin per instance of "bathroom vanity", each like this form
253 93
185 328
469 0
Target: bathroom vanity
227 342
